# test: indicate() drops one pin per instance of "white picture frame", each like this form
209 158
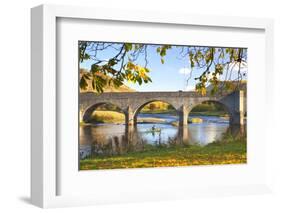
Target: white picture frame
44 150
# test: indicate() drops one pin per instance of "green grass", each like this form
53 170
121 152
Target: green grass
82 123
228 151
100 116
195 120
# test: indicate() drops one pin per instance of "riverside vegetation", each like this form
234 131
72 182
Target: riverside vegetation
229 150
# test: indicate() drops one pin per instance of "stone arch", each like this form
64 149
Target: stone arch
139 107
86 115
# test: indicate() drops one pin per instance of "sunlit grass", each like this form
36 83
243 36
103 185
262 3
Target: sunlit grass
230 151
195 120
108 116
159 111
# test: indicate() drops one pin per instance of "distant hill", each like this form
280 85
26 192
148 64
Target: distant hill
108 88
230 86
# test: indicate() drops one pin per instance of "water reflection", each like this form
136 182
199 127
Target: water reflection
112 139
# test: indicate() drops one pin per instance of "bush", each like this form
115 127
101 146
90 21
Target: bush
108 117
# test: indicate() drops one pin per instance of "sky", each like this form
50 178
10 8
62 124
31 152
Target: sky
170 76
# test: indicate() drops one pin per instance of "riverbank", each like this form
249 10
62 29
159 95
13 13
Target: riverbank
209 113
227 151
114 117
159 111
100 116
205 113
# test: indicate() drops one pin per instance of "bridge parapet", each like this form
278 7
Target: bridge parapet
117 95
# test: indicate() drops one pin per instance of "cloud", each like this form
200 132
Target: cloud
184 71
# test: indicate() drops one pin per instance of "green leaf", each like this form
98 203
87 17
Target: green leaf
191 59
163 52
139 80
98 83
149 79
117 82
87 76
83 83
128 47
112 62
146 70
94 68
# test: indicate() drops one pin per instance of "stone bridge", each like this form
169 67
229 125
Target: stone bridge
132 102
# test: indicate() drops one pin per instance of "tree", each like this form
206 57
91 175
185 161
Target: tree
152 106
123 64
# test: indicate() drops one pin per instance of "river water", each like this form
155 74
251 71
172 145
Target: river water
114 139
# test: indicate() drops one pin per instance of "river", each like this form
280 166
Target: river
114 139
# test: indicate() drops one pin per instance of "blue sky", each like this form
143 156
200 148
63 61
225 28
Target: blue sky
170 76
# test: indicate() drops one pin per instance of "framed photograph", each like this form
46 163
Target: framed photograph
134 106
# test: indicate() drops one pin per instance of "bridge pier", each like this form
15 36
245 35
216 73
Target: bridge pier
129 117
129 125
183 116
237 117
183 134
81 113
129 134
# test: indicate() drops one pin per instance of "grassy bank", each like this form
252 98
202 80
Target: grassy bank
228 151
210 113
151 120
100 116
108 117
158 111
173 112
